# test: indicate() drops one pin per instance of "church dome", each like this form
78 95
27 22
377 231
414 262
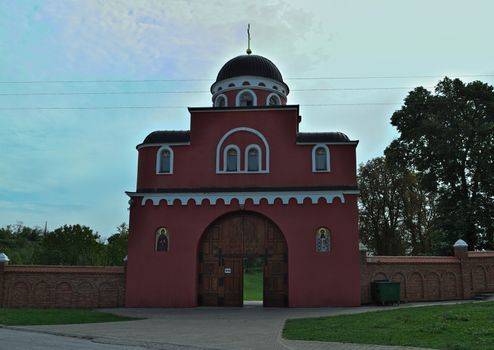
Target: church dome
253 65
249 80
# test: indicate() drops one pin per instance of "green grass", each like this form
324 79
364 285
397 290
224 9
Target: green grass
25 317
253 285
455 327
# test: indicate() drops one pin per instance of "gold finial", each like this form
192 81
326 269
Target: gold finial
249 51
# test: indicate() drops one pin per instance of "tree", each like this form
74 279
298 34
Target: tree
116 249
20 242
447 138
71 245
395 212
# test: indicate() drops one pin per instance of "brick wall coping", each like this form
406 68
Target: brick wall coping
65 269
412 260
487 254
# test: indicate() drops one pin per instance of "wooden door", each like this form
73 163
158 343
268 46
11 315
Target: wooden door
222 249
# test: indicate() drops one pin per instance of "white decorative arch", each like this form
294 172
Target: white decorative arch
259 159
232 131
216 100
326 149
273 94
241 92
158 160
225 155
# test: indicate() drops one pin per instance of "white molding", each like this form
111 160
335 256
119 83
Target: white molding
225 158
328 164
145 145
328 143
241 92
217 97
158 160
232 131
254 84
273 94
242 197
259 158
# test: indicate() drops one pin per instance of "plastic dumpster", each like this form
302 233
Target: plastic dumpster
383 292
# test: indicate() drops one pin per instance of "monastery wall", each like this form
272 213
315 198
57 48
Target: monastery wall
61 286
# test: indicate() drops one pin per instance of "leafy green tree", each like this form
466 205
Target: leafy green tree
20 242
447 138
71 245
116 249
395 212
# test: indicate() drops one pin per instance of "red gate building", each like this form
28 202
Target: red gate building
244 183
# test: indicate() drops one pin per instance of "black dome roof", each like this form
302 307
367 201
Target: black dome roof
249 65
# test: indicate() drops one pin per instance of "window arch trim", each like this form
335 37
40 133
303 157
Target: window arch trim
314 163
216 100
232 131
241 92
273 94
259 158
225 158
159 159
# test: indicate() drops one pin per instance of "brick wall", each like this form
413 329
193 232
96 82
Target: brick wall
61 286
431 278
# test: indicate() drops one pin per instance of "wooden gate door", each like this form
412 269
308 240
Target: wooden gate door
222 249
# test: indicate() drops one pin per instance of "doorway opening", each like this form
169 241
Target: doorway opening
253 280
235 252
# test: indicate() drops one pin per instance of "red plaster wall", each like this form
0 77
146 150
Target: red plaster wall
290 164
315 279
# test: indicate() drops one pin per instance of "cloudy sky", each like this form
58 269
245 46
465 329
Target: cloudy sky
67 157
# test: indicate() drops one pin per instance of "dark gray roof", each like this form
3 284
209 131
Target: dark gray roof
249 65
168 136
321 137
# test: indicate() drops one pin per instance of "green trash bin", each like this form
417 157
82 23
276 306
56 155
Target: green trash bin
385 292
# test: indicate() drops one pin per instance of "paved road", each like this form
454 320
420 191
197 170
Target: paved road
206 328
22 340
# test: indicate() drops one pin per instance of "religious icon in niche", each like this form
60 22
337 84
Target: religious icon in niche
322 240
162 240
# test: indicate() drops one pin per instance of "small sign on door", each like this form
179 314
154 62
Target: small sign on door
228 270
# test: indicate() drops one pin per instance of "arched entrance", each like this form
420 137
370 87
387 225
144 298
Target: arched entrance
222 250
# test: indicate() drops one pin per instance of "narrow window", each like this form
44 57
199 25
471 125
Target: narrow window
246 99
321 159
232 160
273 100
220 101
253 160
165 161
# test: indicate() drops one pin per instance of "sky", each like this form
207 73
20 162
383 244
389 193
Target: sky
68 155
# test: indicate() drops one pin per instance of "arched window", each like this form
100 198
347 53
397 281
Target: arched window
221 101
162 240
253 158
273 100
320 158
164 161
232 158
323 240
246 98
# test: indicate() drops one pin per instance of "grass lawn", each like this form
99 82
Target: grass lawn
455 327
25 317
253 285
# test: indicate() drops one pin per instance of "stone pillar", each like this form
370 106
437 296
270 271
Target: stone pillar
4 261
461 252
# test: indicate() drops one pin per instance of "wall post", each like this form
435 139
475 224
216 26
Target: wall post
4 261
461 252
